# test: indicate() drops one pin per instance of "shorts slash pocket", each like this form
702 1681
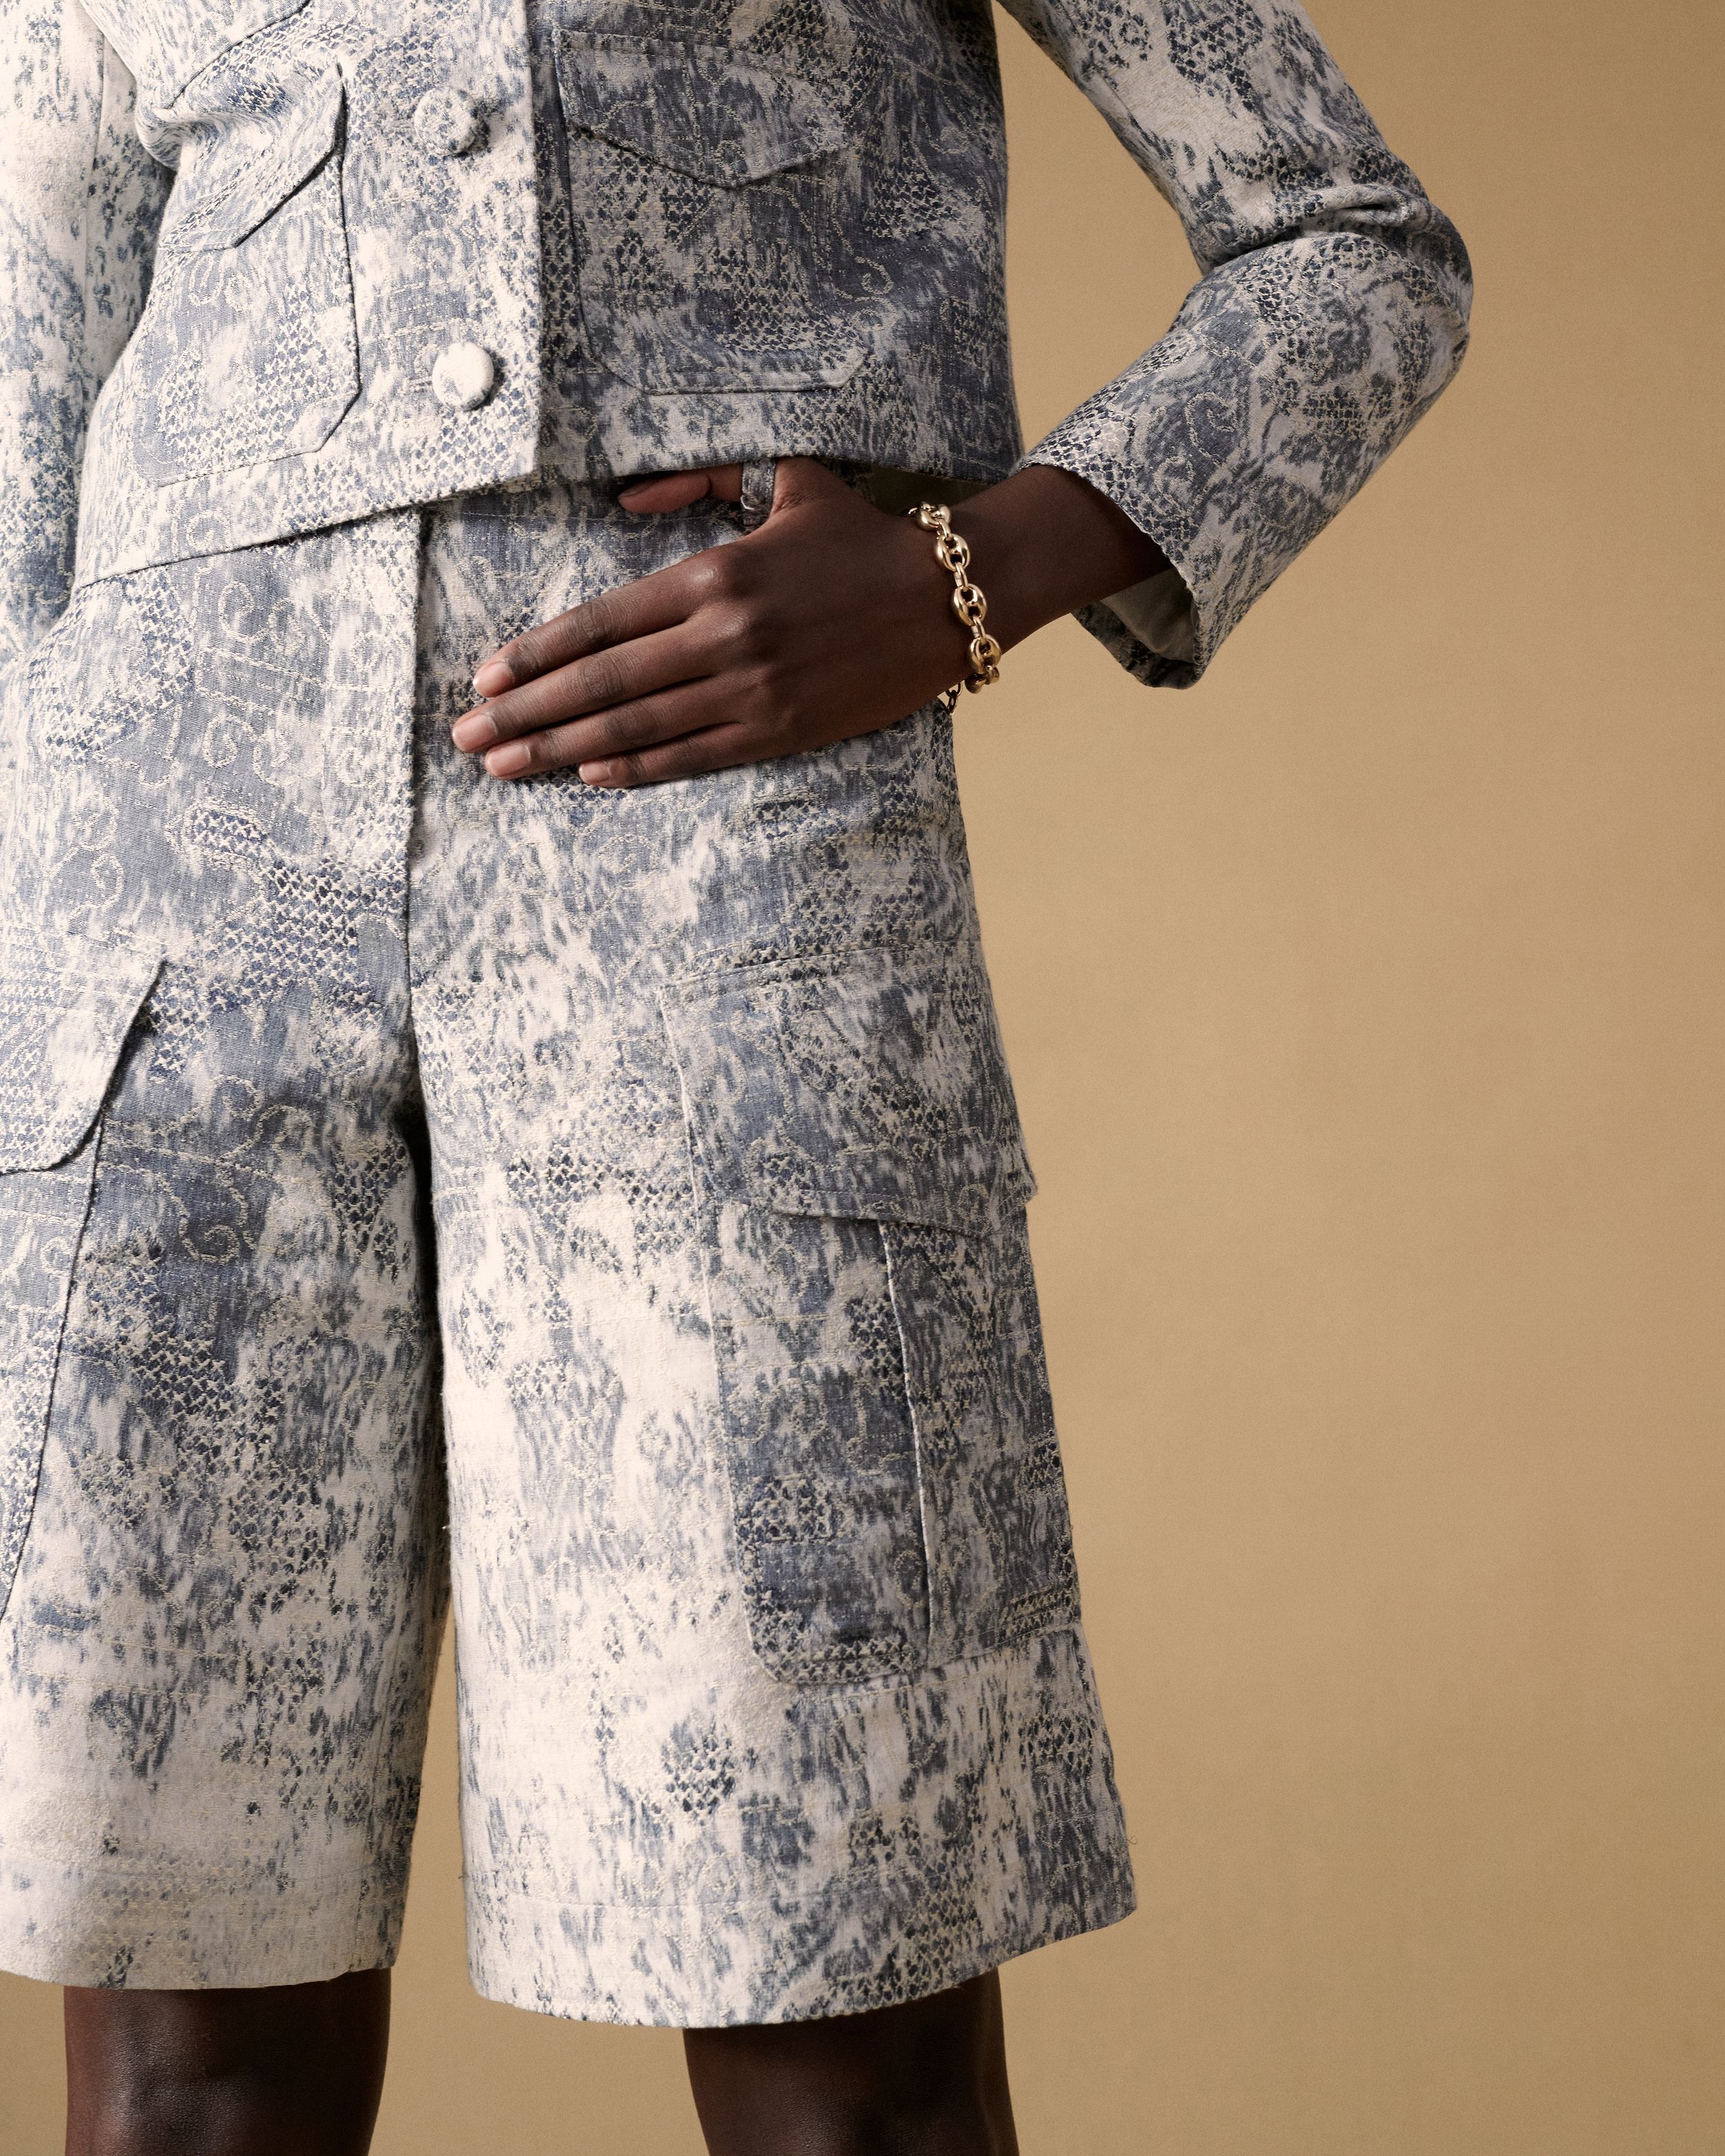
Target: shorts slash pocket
882 1398
66 1007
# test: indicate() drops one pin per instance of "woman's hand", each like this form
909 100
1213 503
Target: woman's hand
832 619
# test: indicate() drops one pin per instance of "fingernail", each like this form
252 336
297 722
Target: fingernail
492 678
506 761
475 730
595 774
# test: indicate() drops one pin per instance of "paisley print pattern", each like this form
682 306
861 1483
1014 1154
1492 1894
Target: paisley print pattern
604 1213
657 235
609 1206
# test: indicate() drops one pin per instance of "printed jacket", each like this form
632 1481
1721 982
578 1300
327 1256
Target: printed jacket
268 265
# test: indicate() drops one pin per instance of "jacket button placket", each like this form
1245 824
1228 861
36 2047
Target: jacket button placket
447 124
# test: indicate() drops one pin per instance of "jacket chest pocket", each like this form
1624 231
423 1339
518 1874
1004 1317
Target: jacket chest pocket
247 351
714 211
66 1007
882 1400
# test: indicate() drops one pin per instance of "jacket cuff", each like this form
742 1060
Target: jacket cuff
1159 630
1233 443
1152 628
1159 622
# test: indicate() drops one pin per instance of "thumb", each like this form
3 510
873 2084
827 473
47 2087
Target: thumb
669 491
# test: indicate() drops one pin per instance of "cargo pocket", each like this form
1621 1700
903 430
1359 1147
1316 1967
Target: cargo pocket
248 351
882 1400
710 194
66 1007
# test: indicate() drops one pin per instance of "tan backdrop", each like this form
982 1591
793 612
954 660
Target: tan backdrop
1366 1011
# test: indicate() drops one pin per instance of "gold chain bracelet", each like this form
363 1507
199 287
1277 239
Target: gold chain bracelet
952 552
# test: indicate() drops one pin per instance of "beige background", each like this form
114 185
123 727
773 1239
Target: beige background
1365 1010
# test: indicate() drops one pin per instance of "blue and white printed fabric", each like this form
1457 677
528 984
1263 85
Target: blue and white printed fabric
610 1202
269 265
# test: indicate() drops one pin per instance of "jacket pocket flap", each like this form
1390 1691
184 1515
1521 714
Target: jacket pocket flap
227 198
181 41
702 110
66 1007
871 1086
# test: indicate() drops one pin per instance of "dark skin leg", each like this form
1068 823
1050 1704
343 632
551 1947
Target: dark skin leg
297 2070
924 2080
286 2070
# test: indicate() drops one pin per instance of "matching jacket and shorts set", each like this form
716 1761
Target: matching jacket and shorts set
599 1215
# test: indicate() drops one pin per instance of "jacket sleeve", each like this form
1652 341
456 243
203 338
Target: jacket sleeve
1331 310
80 201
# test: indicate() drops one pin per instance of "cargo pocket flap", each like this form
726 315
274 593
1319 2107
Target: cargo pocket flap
243 184
66 1007
702 110
872 1086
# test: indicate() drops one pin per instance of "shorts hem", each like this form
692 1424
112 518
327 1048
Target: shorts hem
747 1981
119 1931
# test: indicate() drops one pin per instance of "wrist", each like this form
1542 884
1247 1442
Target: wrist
1044 543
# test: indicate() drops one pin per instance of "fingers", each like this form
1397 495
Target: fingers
631 610
619 677
670 491
696 666
617 736
651 602
709 748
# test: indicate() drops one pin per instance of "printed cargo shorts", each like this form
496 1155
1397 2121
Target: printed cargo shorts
609 1205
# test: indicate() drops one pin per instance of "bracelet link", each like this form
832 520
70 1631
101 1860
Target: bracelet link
951 550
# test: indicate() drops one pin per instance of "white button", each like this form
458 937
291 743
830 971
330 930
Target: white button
463 377
446 124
